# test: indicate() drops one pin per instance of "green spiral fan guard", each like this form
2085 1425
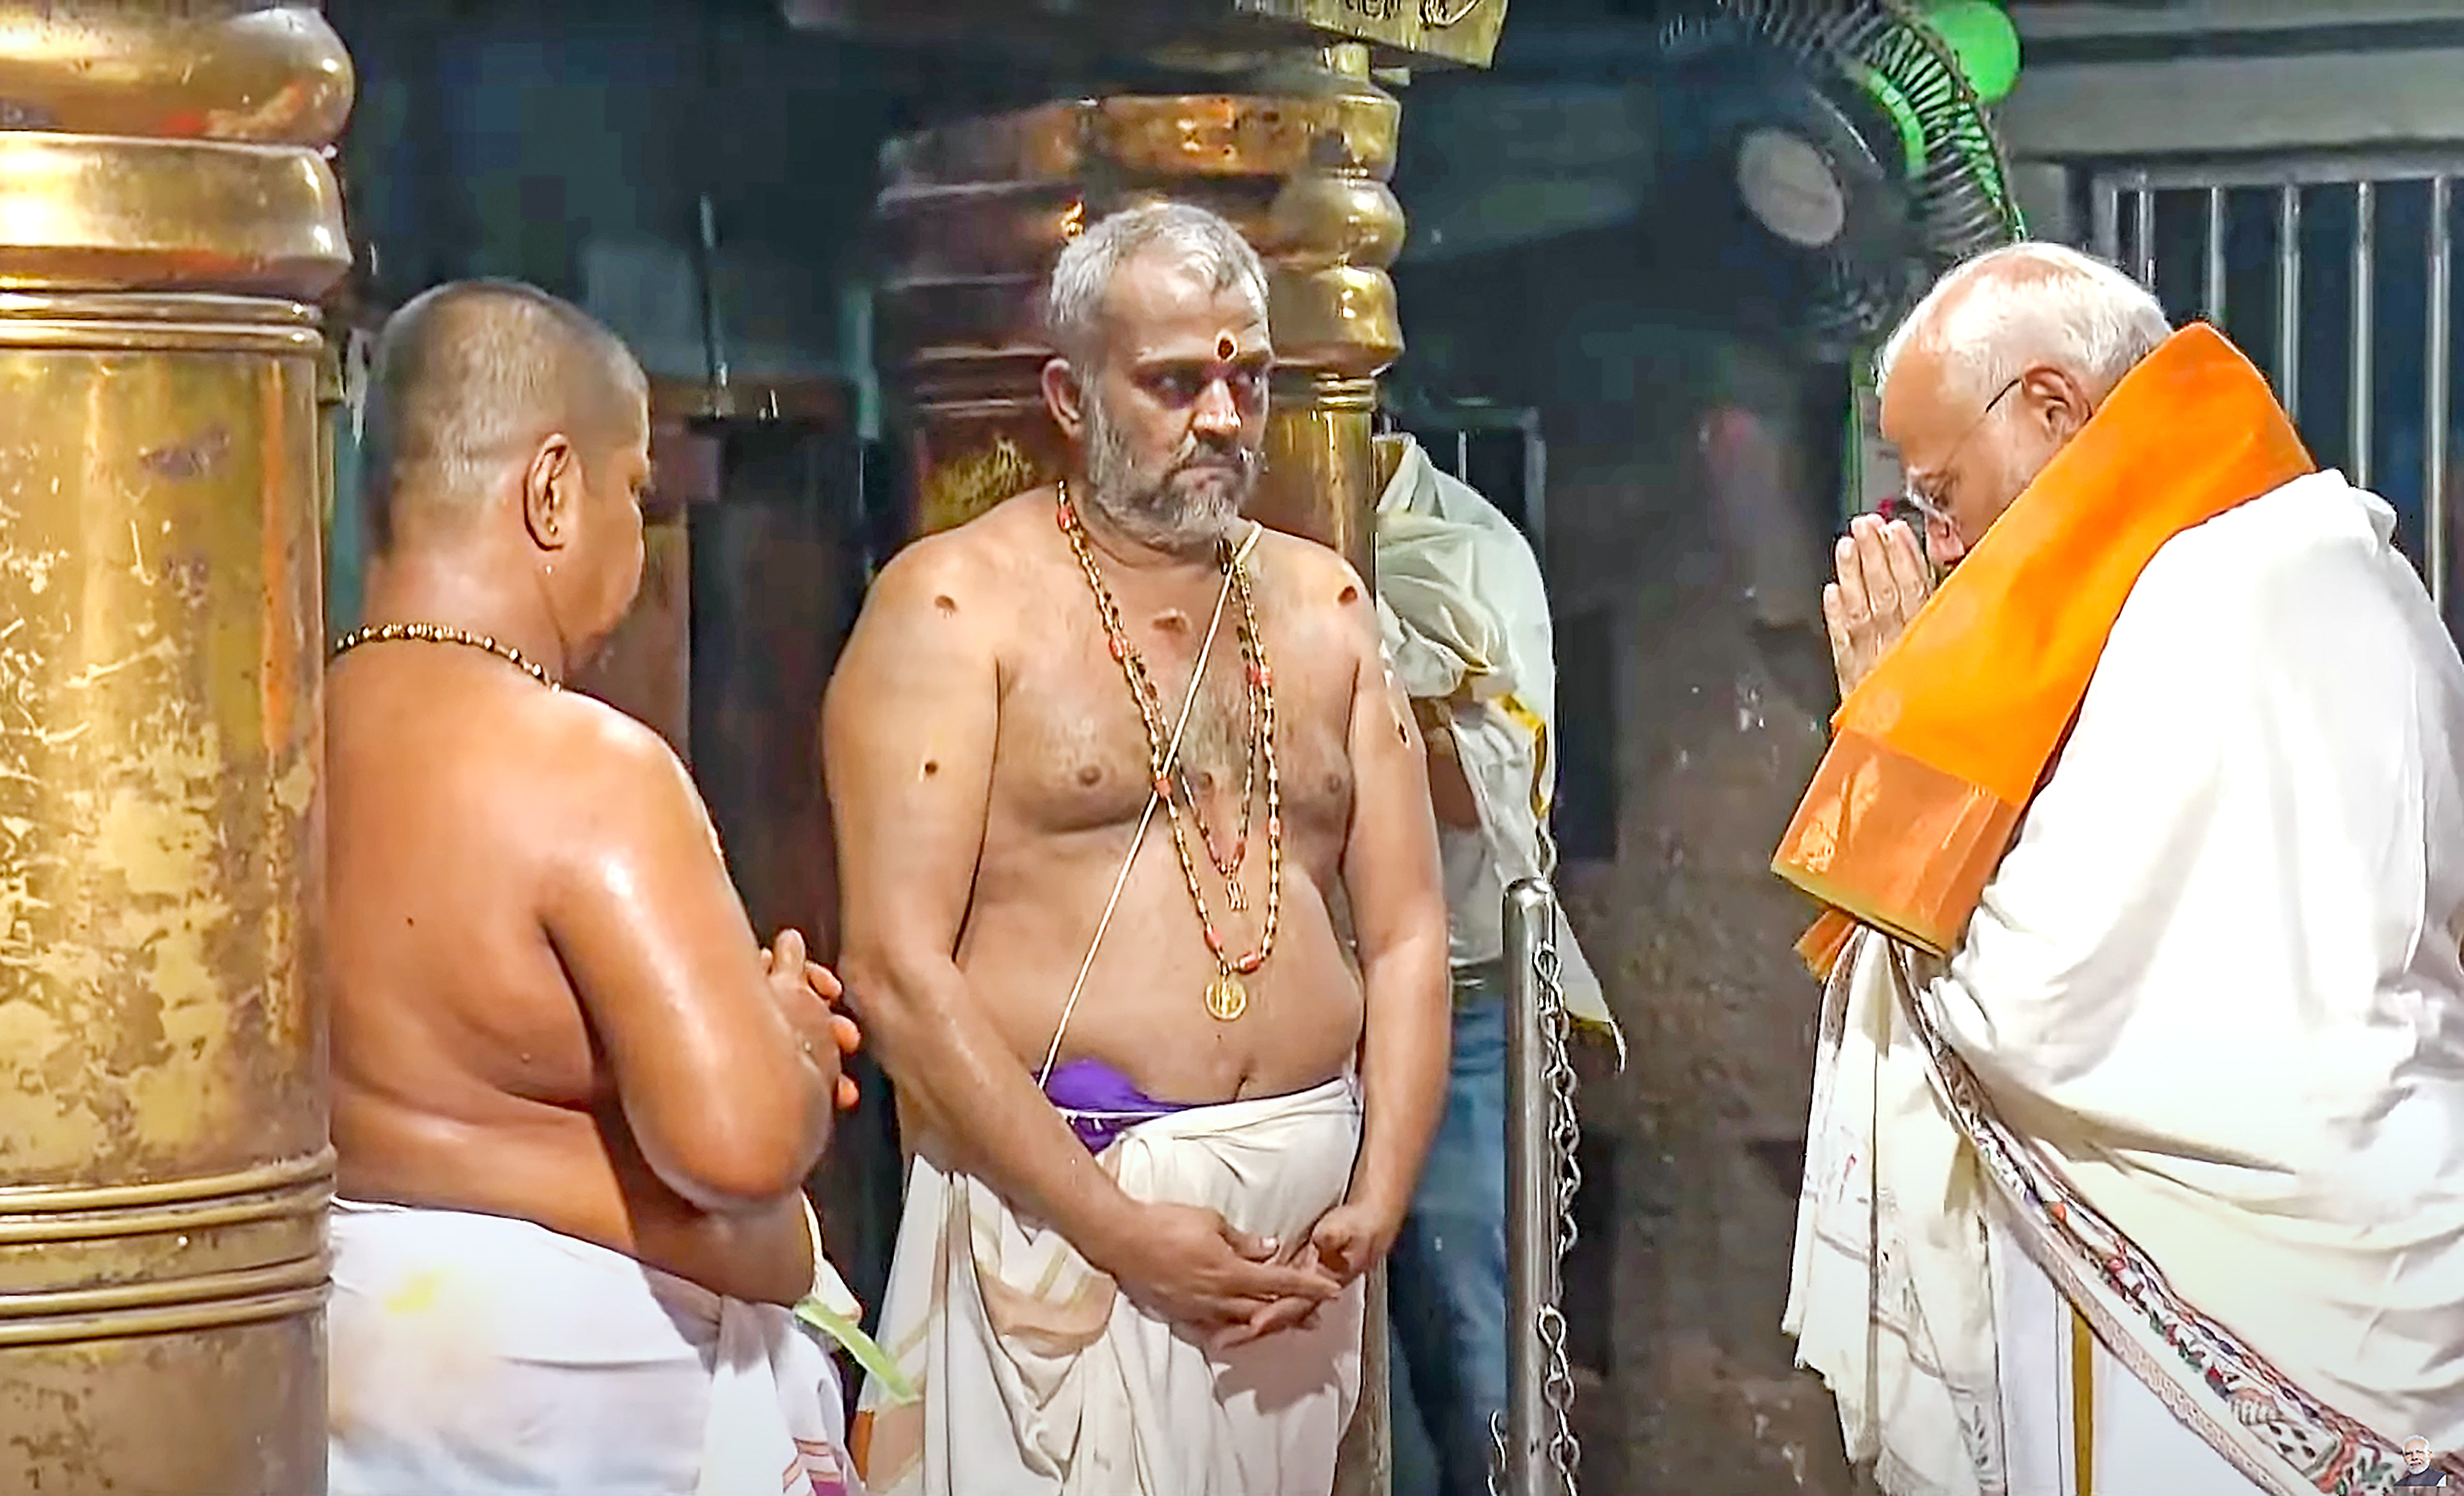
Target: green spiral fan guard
1903 91
1973 145
1912 70
1912 81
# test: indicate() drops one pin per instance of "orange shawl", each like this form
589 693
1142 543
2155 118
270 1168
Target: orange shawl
1938 751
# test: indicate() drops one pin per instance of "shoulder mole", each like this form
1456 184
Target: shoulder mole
1349 595
932 766
947 604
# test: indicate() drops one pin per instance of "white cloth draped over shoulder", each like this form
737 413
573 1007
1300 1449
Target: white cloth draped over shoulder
485 1357
1036 1376
2200 1053
1463 612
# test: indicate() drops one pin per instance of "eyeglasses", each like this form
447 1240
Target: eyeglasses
1932 511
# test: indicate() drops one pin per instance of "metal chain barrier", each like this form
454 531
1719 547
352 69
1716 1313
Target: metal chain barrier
1534 1449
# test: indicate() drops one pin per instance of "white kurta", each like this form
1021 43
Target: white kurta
2215 987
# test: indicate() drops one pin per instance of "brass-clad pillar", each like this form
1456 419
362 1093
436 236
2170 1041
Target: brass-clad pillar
976 213
1332 233
163 1165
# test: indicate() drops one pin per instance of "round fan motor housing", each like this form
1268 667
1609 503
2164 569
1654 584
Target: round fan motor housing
1788 187
1796 163
1831 130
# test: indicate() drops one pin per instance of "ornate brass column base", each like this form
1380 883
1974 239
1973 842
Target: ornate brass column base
164 1167
166 1339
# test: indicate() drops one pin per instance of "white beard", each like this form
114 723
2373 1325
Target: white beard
1153 509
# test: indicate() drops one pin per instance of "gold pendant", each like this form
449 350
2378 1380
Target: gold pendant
1226 999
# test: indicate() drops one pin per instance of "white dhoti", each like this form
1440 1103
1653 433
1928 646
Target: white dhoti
1035 1377
2176 1135
2075 1419
480 1355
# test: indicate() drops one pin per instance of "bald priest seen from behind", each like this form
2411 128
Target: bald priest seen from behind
575 1098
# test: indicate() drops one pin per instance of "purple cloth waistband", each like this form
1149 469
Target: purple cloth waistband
1100 1103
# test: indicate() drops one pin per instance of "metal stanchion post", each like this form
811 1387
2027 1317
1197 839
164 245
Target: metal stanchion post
1535 1452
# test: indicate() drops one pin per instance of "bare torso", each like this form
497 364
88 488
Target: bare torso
467 1075
1071 780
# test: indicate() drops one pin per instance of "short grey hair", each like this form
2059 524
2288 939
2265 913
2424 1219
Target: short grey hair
1080 290
2052 305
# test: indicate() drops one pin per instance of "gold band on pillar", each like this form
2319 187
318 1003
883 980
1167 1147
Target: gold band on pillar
164 1167
977 212
1322 467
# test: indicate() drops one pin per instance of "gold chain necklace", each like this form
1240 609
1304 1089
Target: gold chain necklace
441 633
1227 996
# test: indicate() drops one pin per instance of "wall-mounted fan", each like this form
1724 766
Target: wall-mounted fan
1850 142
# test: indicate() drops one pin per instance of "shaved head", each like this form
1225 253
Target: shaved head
468 380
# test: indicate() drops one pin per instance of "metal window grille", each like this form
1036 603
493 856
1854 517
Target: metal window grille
1495 448
2335 271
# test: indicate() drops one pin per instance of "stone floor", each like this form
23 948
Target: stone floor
1716 1432
1678 1398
